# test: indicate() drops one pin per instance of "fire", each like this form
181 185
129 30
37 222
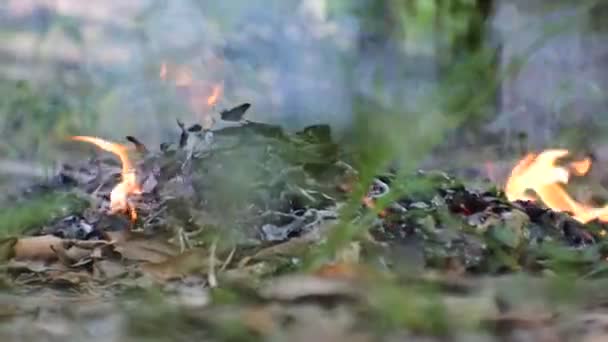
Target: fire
119 197
541 174
215 94
200 95
580 168
182 77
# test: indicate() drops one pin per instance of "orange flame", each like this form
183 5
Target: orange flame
539 173
215 94
200 95
119 197
581 167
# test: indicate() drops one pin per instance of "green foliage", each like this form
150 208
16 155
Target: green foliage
33 121
416 308
37 212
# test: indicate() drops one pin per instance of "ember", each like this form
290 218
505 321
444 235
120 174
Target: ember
539 173
119 197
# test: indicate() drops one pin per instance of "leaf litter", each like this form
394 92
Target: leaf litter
226 238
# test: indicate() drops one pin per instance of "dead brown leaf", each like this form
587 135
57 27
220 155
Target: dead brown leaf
139 247
7 248
81 252
65 258
69 278
38 248
293 247
108 269
51 248
190 262
34 266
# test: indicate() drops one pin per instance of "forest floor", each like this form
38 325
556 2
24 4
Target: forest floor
251 233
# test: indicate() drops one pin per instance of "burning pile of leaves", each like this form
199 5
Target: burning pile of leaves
143 211
228 209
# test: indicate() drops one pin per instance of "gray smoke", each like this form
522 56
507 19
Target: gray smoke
296 61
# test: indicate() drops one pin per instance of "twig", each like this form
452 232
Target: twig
156 214
188 161
193 233
184 242
305 193
211 278
228 259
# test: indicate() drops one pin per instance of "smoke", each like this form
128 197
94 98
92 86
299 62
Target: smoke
297 61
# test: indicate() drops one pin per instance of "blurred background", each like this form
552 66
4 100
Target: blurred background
453 84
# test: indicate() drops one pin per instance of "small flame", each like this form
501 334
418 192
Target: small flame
581 167
182 76
539 173
119 197
200 95
215 95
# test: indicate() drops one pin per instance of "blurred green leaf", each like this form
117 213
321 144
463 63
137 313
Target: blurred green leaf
38 211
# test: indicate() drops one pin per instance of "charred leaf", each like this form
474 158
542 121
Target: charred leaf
236 113
252 129
183 138
195 128
139 146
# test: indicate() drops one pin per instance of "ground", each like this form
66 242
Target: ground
292 244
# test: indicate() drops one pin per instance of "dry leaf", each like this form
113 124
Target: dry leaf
108 269
189 262
51 248
69 278
138 247
38 248
34 266
293 247
7 248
